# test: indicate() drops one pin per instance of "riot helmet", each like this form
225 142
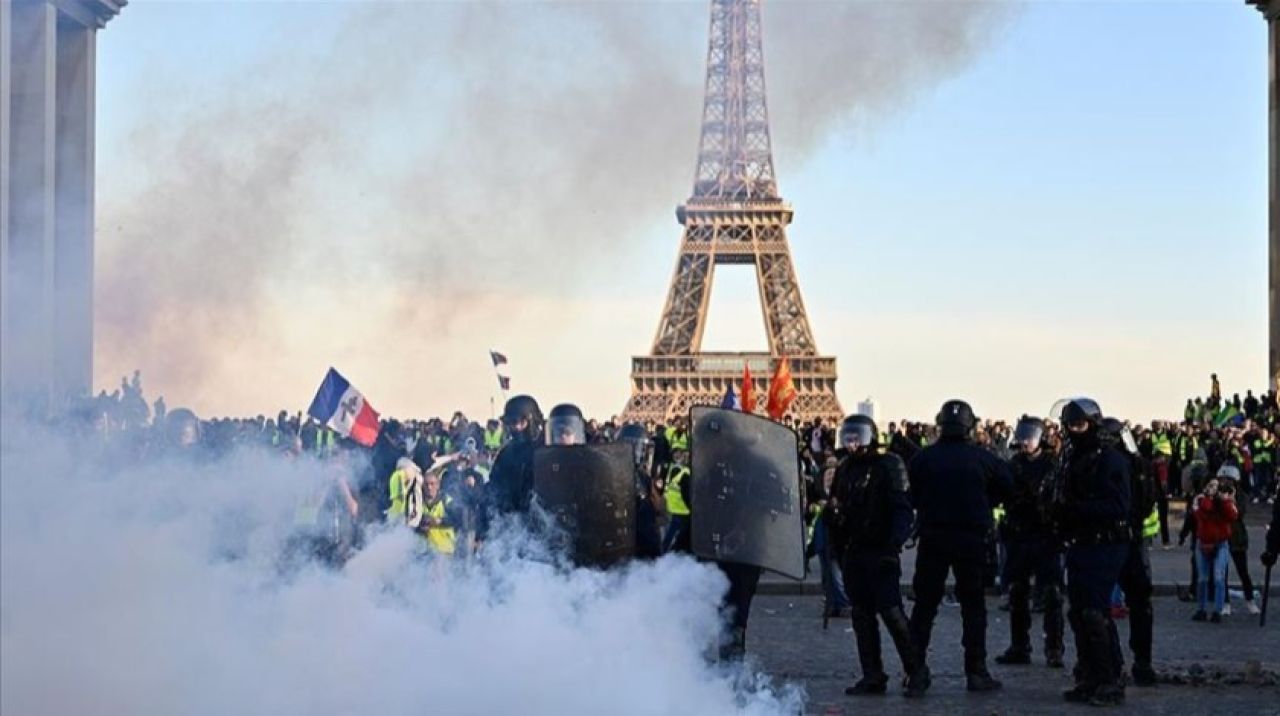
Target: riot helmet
1028 433
637 437
522 418
1077 415
956 419
1081 418
857 432
565 426
181 429
1115 433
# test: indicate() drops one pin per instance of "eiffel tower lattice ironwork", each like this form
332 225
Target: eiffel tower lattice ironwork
735 216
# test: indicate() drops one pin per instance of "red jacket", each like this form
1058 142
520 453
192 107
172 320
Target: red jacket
1214 516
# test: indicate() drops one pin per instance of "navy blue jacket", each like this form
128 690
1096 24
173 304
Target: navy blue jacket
1097 488
1026 508
954 486
871 509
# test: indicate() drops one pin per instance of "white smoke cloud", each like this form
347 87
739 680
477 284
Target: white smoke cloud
156 590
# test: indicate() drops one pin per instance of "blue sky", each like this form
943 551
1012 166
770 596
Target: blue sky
1078 206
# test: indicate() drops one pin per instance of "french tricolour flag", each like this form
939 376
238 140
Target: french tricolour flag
340 406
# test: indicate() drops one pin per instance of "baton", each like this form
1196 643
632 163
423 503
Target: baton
1266 593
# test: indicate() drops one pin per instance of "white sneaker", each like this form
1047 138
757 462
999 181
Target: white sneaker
1253 608
1226 609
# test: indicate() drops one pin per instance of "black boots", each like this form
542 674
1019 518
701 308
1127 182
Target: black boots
868 687
1143 675
917 682
1014 656
1098 678
979 681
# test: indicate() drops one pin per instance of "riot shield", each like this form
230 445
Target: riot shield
745 491
589 490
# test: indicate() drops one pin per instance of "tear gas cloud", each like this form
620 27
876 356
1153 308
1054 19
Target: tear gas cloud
406 170
157 589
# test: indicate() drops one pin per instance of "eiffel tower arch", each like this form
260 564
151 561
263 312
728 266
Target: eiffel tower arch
735 216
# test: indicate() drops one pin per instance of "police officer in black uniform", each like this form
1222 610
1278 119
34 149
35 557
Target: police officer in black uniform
1135 575
1091 506
648 499
1032 551
954 486
510 486
870 518
566 426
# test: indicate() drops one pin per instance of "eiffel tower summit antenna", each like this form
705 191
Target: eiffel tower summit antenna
735 216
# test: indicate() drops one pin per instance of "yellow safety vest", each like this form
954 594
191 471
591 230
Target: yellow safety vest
675 501
399 496
1160 445
1151 525
441 540
493 440
677 442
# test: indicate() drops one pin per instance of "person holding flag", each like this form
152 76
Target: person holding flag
344 409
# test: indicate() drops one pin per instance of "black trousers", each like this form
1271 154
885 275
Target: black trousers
1135 580
965 556
1240 558
1092 573
743 580
871 579
1034 558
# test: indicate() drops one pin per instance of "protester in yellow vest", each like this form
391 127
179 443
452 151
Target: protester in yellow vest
439 518
676 493
405 486
493 436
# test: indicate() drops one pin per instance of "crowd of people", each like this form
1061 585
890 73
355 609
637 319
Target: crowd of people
996 504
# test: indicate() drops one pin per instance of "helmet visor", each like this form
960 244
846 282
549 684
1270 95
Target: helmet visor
566 430
853 437
1028 434
1075 413
1126 439
641 451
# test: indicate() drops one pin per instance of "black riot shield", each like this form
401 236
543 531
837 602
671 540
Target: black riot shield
746 491
589 490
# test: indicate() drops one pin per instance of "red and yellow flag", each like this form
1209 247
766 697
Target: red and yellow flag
748 399
782 390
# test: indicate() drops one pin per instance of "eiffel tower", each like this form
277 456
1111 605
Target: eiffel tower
735 216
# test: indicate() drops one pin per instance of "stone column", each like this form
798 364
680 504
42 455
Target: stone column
1273 32
1271 11
73 211
6 22
29 261
47 55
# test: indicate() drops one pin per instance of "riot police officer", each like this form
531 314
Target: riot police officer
1091 506
954 486
510 485
648 499
1135 575
565 425
1032 551
870 519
